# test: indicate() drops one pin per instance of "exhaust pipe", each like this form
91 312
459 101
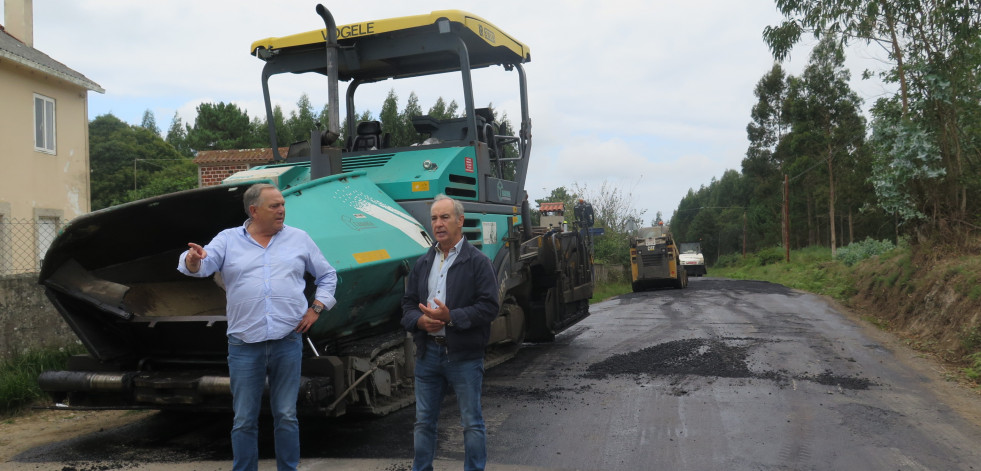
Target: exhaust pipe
333 100
70 381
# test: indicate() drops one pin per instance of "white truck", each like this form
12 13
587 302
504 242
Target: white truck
692 259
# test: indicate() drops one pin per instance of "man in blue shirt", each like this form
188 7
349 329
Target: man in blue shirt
449 303
262 264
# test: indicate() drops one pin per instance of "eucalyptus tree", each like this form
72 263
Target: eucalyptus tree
928 143
826 118
763 166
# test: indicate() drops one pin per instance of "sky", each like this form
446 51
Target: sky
650 98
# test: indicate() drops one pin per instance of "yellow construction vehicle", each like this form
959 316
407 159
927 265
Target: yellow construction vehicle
655 262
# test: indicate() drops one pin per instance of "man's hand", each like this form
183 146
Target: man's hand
440 312
195 253
433 319
429 324
307 322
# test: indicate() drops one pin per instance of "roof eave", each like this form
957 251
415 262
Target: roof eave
81 82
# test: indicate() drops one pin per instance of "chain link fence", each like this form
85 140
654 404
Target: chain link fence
23 243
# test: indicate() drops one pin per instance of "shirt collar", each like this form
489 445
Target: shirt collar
456 248
245 228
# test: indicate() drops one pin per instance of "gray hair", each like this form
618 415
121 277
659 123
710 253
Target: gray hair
457 206
252 195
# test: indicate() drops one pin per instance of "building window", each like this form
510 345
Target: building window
47 222
44 124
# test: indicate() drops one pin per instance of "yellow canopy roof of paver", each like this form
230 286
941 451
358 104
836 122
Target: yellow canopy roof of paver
486 44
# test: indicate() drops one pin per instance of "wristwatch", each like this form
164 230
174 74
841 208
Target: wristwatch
317 307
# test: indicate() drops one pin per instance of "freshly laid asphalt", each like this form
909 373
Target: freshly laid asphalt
734 375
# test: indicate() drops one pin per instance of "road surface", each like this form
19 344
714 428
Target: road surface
726 374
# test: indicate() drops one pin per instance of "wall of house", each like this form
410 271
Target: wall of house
212 175
38 184
38 180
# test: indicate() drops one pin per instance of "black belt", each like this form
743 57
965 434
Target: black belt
439 339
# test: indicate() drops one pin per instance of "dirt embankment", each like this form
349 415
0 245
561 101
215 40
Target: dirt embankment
930 296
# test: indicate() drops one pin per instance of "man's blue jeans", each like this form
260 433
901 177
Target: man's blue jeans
434 374
248 365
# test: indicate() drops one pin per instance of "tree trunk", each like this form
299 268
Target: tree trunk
897 51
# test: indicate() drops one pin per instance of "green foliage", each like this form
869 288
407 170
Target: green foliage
612 248
975 292
442 110
302 121
398 124
284 135
729 260
177 136
604 291
612 206
150 122
18 376
770 255
905 264
405 134
906 157
858 251
971 339
973 372
880 324
926 138
560 195
810 269
389 117
611 209
165 177
125 158
806 129
225 126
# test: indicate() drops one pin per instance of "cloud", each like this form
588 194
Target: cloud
618 89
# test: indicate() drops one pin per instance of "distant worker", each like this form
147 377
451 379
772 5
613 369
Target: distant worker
262 264
584 213
449 303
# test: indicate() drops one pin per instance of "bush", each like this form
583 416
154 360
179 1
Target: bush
729 260
973 371
612 248
858 251
771 255
971 339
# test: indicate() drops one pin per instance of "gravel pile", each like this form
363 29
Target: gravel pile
699 357
709 358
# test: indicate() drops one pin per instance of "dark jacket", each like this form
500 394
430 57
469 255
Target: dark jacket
471 296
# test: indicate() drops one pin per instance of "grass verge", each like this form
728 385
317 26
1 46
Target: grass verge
18 377
810 269
604 291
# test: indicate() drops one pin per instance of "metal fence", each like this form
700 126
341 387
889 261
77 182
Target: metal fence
23 243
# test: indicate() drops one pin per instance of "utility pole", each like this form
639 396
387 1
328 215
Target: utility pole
744 232
786 216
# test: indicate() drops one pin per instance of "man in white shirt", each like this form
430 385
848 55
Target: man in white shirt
262 263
